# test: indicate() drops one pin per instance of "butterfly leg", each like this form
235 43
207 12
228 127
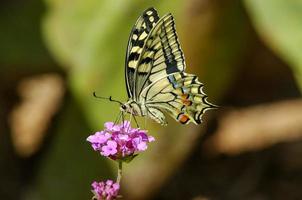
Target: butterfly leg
118 117
130 118
123 118
135 121
145 119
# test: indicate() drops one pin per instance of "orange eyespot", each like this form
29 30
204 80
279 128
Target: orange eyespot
182 118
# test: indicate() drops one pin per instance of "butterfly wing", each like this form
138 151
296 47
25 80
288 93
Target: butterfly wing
160 80
179 94
136 41
161 55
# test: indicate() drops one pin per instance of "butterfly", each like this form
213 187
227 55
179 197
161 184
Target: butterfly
155 74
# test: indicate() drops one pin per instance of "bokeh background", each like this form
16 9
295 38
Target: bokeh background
54 54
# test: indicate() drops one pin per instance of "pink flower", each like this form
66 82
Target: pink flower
109 148
105 190
98 139
120 141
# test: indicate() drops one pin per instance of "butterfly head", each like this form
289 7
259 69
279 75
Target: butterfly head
127 108
131 107
124 107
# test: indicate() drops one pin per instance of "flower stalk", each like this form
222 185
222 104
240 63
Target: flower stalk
119 172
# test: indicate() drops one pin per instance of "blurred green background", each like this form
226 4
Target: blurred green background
54 54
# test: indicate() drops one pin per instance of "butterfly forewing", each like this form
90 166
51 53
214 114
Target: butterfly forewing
161 55
136 41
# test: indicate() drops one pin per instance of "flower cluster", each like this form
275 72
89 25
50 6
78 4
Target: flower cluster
121 141
105 190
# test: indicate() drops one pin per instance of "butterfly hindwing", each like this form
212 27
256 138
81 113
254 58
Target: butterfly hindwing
180 95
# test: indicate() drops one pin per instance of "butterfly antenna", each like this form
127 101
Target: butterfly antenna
108 98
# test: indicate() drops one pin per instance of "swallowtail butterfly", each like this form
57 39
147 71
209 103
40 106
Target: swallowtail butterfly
154 73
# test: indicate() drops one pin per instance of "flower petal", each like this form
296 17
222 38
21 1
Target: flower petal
142 146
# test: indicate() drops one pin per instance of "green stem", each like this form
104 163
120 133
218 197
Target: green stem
119 172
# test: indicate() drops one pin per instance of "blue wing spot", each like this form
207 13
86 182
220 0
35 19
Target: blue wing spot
173 81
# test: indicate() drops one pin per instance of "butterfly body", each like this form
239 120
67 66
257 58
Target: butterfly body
134 108
155 77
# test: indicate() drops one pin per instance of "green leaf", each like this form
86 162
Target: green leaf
279 23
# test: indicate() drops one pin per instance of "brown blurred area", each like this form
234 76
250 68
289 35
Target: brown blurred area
252 148
54 54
